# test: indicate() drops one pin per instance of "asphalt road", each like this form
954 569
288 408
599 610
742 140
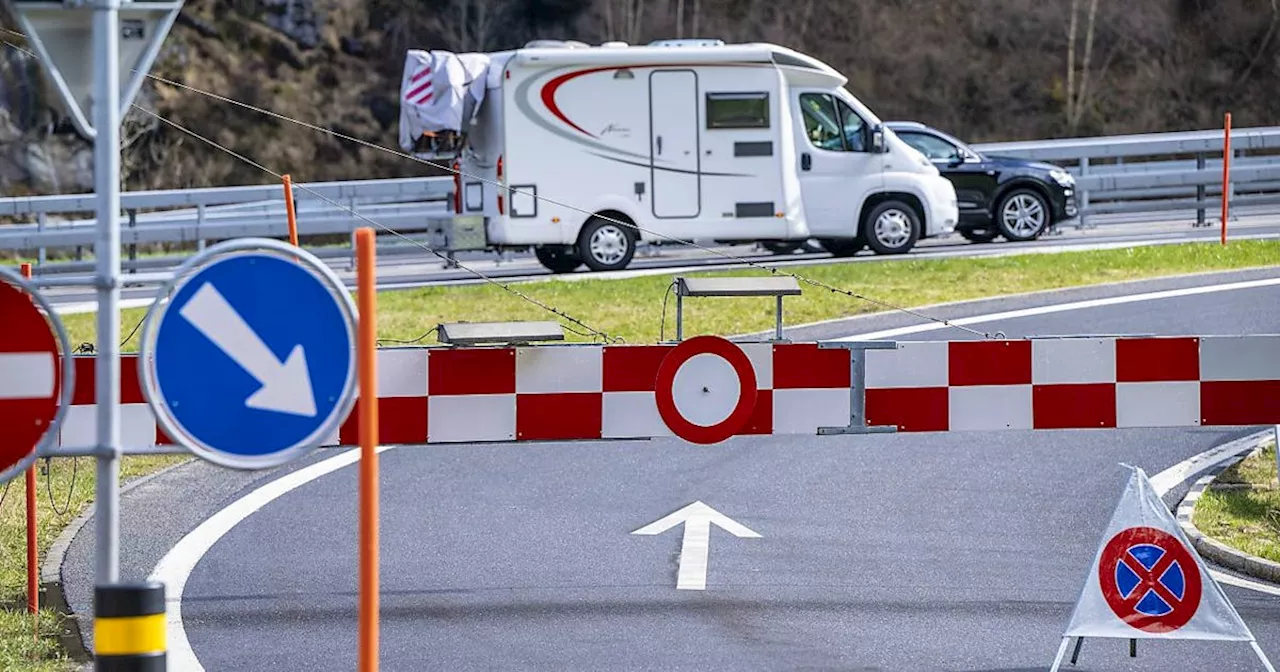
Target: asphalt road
921 552
419 269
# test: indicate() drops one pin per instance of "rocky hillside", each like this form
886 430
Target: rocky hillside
984 69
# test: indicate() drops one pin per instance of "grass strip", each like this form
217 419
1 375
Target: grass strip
57 504
1242 510
633 309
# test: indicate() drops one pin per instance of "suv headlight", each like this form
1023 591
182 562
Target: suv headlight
1062 177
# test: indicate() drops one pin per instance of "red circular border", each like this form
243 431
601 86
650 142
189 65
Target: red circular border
27 330
1117 547
682 353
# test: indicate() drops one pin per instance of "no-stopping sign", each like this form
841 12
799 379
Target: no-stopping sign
1149 579
706 389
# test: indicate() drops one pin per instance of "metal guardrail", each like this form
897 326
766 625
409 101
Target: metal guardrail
1122 177
198 216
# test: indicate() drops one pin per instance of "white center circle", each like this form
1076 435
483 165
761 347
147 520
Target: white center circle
705 389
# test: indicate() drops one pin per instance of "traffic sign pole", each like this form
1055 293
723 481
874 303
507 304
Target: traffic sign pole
106 175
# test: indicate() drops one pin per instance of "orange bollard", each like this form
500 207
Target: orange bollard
1226 173
293 215
366 358
33 556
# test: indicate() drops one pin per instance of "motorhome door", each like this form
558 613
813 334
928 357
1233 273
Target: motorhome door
673 144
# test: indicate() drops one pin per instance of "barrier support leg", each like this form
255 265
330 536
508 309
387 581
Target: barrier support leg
367 357
1133 648
1262 656
1075 655
1062 651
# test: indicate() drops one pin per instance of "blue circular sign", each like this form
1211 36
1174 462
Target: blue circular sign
252 360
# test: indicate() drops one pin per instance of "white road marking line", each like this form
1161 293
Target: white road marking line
175 568
1061 308
1166 480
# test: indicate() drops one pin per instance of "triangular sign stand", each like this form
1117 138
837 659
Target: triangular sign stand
1148 582
60 34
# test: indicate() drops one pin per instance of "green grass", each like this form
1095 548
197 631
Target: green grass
19 650
633 310
1247 519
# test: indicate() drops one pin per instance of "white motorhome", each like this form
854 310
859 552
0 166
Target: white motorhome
582 151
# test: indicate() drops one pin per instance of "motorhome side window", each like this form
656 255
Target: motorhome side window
831 124
738 110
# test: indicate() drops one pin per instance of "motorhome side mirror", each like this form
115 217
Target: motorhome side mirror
877 140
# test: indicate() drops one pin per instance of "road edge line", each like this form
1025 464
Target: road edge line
960 303
1217 551
1191 470
176 566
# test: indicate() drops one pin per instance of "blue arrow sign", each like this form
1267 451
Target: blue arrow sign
252 361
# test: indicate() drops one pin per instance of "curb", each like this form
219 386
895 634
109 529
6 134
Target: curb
72 638
1212 549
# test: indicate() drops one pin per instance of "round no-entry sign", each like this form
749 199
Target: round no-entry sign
33 396
706 389
1149 579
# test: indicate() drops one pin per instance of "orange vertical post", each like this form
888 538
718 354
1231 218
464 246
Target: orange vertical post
367 359
1226 173
33 556
293 215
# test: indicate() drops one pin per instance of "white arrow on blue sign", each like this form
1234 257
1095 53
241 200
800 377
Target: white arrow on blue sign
251 363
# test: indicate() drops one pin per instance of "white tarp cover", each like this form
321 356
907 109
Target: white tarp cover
439 91
1147 570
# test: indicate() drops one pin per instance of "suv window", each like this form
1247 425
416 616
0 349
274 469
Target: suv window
831 124
933 147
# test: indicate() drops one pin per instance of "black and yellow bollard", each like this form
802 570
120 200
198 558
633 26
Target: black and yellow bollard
129 627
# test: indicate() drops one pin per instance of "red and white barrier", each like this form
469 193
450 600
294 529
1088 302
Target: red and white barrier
584 392
1075 383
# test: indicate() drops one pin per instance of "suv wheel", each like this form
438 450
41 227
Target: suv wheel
980 235
606 245
1023 215
893 227
842 247
558 259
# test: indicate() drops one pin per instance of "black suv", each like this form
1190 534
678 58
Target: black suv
998 195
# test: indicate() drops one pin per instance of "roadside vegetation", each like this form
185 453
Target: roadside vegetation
632 309
64 488
1242 509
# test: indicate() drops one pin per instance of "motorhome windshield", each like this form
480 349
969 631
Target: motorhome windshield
862 110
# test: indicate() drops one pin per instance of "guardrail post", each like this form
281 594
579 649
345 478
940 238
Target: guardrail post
41 219
133 247
1084 195
1200 192
199 223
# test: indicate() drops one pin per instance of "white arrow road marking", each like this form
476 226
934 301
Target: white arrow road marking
697 519
286 388
26 375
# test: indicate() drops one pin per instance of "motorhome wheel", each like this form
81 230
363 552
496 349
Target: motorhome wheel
606 245
893 227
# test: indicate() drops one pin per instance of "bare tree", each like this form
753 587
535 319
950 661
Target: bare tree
1078 99
470 25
